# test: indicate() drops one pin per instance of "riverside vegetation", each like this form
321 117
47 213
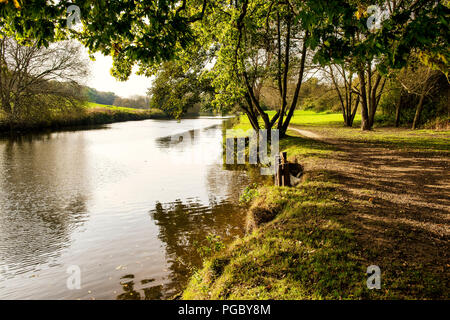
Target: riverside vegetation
365 199
85 115
40 87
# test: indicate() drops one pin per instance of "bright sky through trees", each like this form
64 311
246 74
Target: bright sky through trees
101 79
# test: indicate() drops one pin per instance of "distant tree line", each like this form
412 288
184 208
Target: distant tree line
102 97
136 101
111 99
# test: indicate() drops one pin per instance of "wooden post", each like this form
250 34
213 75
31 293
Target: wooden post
282 174
278 181
285 176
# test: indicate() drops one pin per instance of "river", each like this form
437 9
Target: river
119 210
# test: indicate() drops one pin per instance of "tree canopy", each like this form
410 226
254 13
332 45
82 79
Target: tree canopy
175 90
146 32
257 42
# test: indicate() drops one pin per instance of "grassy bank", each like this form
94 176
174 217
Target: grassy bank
85 115
353 209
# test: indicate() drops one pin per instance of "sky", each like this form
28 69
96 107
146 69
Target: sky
102 80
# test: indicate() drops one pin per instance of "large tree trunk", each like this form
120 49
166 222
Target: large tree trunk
365 121
372 108
418 111
397 111
255 102
285 77
297 89
374 98
353 113
249 111
253 122
369 95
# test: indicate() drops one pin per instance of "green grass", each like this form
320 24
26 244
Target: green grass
93 106
300 147
306 118
312 118
331 124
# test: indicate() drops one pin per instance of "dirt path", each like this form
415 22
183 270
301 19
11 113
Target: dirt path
308 134
399 200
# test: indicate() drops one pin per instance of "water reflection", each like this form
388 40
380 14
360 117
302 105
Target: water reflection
182 139
184 224
130 293
184 227
42 199
113 202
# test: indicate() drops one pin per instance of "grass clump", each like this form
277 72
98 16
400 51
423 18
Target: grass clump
303 253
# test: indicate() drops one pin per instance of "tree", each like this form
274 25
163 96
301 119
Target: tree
409 26
136 101
371 84
93 95
344 84
262 43
35 81
419 80
398 106
175 88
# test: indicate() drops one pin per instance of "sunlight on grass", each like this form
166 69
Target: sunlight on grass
302 117
92 105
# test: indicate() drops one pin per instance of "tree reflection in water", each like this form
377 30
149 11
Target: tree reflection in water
185 224
130 293
184 227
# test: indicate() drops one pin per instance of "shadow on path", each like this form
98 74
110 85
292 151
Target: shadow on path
399 200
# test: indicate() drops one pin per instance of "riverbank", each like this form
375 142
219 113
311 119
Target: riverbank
87 115
367 198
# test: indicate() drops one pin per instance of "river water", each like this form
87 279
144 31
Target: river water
119 210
